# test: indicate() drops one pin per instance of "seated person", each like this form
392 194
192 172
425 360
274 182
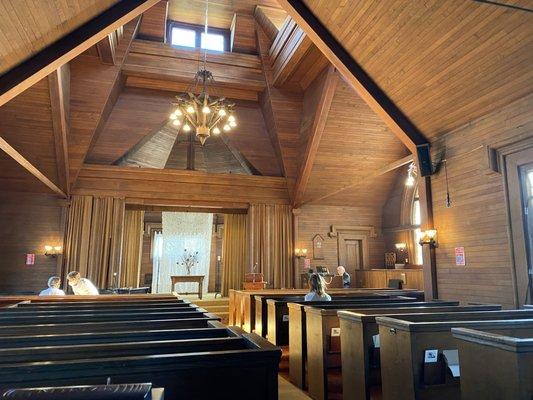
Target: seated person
53 287
317 289
346 279
81 286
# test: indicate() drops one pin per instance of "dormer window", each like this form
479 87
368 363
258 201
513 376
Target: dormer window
193 36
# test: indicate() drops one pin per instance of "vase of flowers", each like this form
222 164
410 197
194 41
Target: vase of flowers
189 259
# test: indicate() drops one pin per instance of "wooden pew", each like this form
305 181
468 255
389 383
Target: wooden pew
360 358
202 321
242 302
74 311
278 312
78 317
246 367
78 299
298 333
508 357
403 343
107 305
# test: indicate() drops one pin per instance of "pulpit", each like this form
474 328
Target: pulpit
254 281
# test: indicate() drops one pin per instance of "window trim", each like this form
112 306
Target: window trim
199 29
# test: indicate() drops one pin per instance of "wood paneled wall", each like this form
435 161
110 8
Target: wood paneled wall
477 219
315 219
28 222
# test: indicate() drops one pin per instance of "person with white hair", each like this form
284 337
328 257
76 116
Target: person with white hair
81 286
53 287
346 278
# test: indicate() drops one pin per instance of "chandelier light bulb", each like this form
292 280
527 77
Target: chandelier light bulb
176 122
233 124
173 116
187 128
206 110
178 112
190 109
226 128
222 112
231 118
216 130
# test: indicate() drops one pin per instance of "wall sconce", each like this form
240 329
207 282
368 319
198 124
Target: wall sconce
429 237
401 246
52 251
300 253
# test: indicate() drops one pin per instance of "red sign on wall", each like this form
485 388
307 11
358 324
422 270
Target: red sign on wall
30 259
460 259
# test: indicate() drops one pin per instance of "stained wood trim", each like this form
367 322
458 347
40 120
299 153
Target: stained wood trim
106 48
368 179
19 158
319 123
59 86
335 230
212 210
355 75
26 74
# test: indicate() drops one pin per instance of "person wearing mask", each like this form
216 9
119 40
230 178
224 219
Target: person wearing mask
81 286
53 287
346 279
317 289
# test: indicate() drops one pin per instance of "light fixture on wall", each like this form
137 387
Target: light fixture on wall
429 237
204 113
401 246
411 174
300 253
52 251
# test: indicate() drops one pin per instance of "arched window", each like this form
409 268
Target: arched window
416 218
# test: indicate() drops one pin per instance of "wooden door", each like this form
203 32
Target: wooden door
353 254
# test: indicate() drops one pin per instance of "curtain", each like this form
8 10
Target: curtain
270 240
234 252
132 248
157 255
93 240
185 235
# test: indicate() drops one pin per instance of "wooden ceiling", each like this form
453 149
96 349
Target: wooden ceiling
220 11
443 63
28 26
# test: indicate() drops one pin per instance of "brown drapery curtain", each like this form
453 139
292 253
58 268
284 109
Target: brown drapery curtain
93 239
234 252
271 243
132 248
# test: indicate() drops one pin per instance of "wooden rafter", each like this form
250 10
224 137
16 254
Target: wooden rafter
19 158
319 122
59 84
106 48
367 178
21 77
357 77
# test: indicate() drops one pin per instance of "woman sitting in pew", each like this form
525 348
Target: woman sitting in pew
81 286
53 287
317 289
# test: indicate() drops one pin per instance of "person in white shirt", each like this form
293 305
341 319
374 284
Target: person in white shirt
81 286
53 287
317 289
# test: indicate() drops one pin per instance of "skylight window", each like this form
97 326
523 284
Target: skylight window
212 41
183 37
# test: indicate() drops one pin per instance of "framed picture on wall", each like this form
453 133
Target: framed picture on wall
318 251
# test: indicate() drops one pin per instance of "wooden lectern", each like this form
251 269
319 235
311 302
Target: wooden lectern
253 281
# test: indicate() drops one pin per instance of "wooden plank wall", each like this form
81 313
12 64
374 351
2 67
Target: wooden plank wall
28 223
477 219
316 219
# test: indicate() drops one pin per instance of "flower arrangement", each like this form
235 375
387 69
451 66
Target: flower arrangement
188 260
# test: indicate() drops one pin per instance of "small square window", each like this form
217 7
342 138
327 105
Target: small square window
183 37
212 42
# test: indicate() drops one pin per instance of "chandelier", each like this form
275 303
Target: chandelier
204 113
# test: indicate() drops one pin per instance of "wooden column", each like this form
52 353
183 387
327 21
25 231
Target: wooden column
295 232
429 257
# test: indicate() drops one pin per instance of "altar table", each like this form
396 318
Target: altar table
189 278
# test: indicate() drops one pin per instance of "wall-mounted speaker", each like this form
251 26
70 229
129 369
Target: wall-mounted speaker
423 154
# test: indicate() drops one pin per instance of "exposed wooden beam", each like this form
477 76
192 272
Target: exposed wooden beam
19 158
270 19
363 84
319 122
368 178
106 48
195 209
59 84
21 77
